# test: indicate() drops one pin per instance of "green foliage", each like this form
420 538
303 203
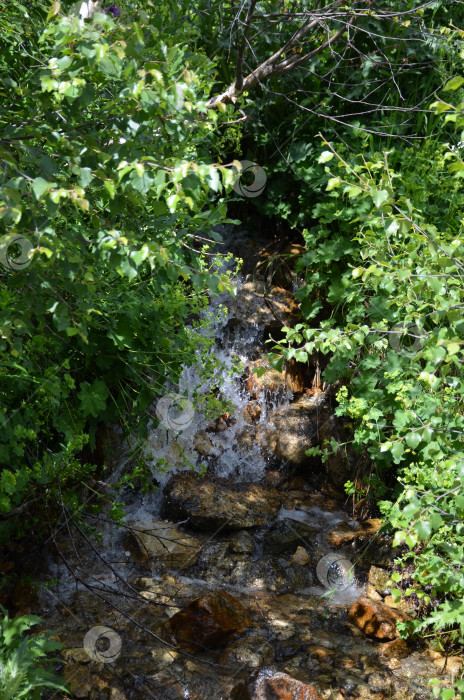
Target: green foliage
383 299
108 179
24 660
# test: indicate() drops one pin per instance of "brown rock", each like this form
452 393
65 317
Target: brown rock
156 540
373 594
213 503
301 556
341 535
292 429
397 649
267 684
321 653
380 579
202 444
294 375
404 604
360 533
252 412
208 622
375 619
266 380
78 679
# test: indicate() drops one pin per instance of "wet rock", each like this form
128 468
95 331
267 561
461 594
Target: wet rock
270 309
202 444
267 683
376 620
380 579
251 650
343 534
346 533
292 429
320 653
245 440
447 664
372 593
252 413
208 622
241 543
213 503
396 649
78 655
295 484
161 542
404 604
285 535
301 556
78 679
266 381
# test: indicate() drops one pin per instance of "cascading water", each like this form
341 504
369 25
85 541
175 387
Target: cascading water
299 625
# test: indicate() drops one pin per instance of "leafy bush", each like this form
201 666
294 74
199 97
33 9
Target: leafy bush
393 280
108 201
24 660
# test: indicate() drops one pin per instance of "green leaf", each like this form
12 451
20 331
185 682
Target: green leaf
379 197
423 529
454 83
413 440
93 397
41 186
325 157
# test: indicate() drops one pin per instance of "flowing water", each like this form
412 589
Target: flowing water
300 625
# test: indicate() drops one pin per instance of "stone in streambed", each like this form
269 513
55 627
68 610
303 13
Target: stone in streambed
241 543
214 503
285 535
267 683
292 429
375 619
161 542
207 622
380 579
301 556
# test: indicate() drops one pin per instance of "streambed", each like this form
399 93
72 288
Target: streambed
256 526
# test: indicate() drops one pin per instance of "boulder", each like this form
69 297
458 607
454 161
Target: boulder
266 684
207 622
270 309
375 619
214 503
285 535
358 533
241 543
292 429
202 444
161 542
380 579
